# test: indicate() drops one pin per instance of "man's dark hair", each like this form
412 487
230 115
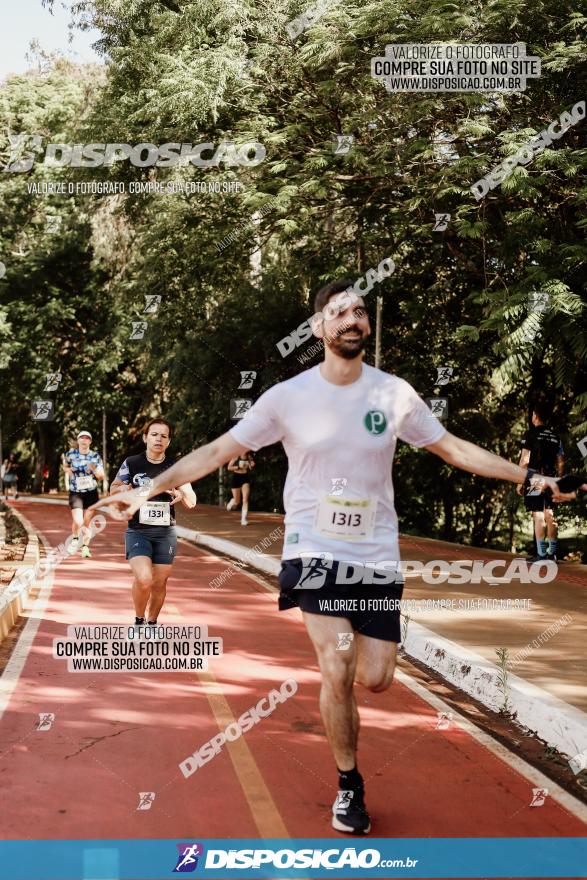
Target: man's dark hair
150 424
543 410
323 296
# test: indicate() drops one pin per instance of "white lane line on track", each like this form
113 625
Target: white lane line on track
570 803
13 669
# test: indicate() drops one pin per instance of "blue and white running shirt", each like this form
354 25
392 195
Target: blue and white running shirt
82 479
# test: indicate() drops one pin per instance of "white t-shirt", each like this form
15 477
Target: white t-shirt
340 441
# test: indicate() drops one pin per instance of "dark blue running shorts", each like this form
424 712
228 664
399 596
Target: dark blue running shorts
159 543
373 610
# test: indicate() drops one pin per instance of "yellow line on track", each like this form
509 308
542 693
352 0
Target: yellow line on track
263 809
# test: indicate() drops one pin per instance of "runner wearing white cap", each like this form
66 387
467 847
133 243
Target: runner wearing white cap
84 468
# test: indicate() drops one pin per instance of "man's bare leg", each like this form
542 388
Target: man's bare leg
551 531
368 661
539 528
375 663
338 706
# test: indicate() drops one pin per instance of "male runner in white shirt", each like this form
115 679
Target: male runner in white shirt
338 423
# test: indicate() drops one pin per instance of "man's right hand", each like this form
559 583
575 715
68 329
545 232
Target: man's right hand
121 506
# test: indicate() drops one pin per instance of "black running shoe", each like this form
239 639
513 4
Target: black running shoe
551 557
536 558
349 813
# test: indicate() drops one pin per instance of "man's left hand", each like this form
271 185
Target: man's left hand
552 484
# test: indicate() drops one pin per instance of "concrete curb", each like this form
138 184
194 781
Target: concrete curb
42 499
12 603
246 555
558 723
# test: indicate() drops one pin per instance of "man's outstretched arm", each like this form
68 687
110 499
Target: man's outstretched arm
469 457
198 464
191 467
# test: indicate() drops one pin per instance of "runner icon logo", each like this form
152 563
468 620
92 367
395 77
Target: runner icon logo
187 860
444 375
138 329
438 407
578 762
42 410
314 569
539 796
441 222
538 302
342 144
146 799
52 381
344 641
343 800
46 719
53 223
152 303
444 719
239 407
22 159
247 379
338 484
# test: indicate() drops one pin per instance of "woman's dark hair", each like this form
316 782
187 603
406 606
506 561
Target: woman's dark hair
150 424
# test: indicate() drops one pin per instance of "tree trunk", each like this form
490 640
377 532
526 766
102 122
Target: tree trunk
46 452
448 508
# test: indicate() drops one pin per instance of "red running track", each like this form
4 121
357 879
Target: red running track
118 734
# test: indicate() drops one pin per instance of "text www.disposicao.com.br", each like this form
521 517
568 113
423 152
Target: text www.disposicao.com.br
134 664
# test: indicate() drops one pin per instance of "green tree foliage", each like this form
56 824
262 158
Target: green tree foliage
196 70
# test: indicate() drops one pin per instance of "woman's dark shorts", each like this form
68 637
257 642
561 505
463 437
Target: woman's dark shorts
159 543
372 609
540 502
83 500
239 480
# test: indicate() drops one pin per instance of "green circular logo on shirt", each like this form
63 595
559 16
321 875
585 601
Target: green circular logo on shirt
375 421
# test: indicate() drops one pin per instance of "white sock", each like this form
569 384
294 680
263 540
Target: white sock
244 514
230 504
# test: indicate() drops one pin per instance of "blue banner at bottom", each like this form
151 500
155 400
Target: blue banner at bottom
304 858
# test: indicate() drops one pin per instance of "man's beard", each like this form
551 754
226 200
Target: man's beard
347 348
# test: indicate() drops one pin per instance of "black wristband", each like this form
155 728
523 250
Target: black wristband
571 482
